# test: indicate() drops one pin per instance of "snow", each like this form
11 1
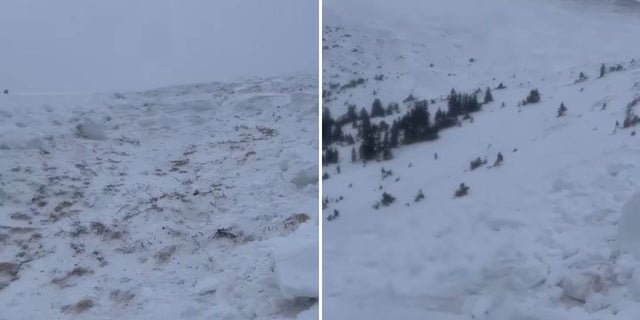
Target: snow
536 238
162 204
628 235
296 262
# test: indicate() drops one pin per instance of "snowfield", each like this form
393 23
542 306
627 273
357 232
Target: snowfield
543 236
187 202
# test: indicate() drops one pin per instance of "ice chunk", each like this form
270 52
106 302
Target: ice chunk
302 175
629 227
296 262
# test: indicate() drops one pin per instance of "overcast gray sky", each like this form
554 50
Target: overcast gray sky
104 45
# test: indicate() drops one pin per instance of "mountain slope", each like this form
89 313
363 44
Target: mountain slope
535 238
187 202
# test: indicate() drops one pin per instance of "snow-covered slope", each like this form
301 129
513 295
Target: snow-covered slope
189 202
537 237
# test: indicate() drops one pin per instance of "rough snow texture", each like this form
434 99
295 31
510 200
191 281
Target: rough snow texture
536 237
163 204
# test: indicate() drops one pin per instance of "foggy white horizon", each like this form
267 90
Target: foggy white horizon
97 46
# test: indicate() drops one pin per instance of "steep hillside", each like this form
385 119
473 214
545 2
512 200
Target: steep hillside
537 235
189 202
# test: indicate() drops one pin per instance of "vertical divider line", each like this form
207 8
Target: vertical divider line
320 300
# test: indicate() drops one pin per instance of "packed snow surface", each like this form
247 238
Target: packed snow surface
171 203
541 237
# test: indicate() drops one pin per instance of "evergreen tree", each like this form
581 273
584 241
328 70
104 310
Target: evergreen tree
386 147
533 97
333 216
327 127
387 199
389 110
441 120
351 115
337 135
453 104
409 98
460 104
463 190
377 110
562 110
470 103
476 163
395 131
416 124
330 156
348 139
383 126
603 70
365 123
499 160
582 77
377 134
419 196
354 155
368 135
488 97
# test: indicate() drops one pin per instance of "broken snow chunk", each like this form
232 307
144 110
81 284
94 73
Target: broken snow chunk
88 129
296 263
628 235
302 175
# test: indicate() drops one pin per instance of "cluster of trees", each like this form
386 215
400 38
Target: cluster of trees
387 200
330 155
332 129
603 69
533 97
462 103
478 162
630 118
377 140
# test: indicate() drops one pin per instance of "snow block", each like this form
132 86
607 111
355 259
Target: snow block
88 129
302 175
629 227
300 166
296 263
